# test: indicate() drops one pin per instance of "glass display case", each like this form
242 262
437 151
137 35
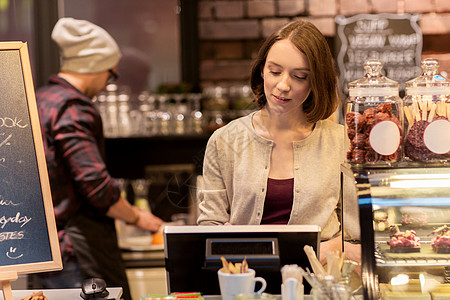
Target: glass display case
405 230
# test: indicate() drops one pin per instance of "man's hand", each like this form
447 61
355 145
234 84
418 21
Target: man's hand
133 215
148 221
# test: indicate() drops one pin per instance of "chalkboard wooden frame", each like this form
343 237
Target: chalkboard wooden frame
54 263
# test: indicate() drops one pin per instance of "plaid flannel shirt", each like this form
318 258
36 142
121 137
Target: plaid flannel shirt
73 139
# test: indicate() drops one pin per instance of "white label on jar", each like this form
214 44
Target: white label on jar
385 137
437 136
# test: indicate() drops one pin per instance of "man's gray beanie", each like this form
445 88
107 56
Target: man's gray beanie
85 47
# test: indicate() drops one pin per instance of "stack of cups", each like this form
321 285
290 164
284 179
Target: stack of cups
292 286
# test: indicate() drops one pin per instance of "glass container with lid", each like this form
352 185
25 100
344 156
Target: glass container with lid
427 112
373 118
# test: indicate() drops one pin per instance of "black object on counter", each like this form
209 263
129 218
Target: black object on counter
94 288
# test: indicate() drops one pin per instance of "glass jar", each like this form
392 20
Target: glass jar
334 292
373 119
427 113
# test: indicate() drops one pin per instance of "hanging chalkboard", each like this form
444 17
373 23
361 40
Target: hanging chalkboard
394 39
28 236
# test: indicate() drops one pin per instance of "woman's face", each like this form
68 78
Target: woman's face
286 78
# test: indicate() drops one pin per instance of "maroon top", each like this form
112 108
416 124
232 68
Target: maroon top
279 198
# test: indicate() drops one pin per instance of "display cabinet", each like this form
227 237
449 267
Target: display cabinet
404 213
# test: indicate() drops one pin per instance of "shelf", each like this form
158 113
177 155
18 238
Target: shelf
129 157
395 166
425 258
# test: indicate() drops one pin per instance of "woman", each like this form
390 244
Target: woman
281 164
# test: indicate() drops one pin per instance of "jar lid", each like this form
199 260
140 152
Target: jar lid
430 82
373 83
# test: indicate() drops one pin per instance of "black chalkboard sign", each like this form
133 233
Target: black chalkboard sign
394 39
28 236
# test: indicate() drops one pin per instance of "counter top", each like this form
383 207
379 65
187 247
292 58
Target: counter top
143 259
218 297
138 251
62 294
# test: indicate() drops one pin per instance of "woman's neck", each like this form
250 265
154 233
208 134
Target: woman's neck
291 123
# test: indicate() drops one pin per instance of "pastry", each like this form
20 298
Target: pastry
441 242
417 220
36 296
358 131
380 220
404 242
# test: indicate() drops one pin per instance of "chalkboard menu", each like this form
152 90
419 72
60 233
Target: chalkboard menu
394 39
28 237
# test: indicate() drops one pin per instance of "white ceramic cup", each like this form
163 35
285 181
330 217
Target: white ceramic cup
235 284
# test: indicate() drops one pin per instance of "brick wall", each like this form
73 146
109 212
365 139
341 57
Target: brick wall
231 31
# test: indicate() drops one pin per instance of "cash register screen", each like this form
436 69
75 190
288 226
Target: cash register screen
238 246
192 253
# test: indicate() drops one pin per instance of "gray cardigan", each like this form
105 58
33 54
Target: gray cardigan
236 168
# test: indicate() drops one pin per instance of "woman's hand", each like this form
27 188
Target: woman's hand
351 251
333 245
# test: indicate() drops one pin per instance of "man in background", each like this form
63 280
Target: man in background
86 198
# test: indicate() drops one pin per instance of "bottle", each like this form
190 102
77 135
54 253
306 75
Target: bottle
427 112
149 115
140 188
373 118
216 98
242 100
100 104
180 114
196 124
164 116
111 126
123 118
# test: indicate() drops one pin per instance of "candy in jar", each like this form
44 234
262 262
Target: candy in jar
373 118
427 112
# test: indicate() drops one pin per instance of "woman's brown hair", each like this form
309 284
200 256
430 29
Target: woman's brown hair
323 98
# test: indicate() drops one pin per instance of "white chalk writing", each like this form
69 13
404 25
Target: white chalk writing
22 220
367 41
6 202
6 140
11 122
357 57
403 40
12 235
364 26
12 253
